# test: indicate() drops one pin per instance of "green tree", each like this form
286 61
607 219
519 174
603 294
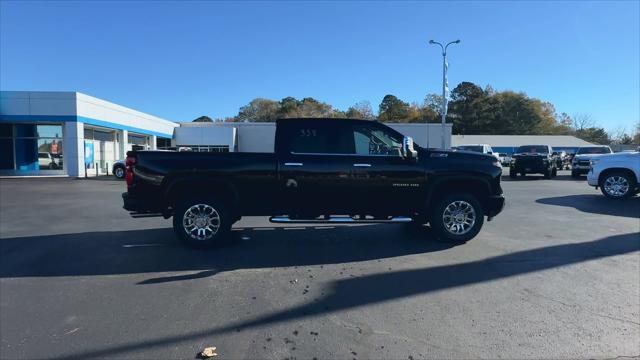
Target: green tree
360 110
465 108
259 110
203 118
392 109
433 102
594 135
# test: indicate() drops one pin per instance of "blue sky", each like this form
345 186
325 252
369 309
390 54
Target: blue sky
180 60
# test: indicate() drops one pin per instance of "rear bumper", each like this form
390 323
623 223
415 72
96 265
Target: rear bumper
495 204
131 203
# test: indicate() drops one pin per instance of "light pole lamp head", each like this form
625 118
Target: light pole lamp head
457 41
431 42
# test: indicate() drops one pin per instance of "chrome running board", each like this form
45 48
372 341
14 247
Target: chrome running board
337 219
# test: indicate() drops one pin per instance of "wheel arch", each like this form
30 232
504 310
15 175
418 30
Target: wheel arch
608 171
478 185
222 189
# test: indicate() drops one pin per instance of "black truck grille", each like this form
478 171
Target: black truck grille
528 161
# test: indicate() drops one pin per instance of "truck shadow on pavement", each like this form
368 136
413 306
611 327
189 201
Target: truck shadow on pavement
596 204
386 286
157 250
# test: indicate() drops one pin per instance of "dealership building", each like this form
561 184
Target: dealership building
70 133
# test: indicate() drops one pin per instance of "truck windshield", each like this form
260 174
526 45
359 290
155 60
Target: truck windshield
471 148
533 149
594 150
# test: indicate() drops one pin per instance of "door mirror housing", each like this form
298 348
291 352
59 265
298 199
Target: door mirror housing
408 152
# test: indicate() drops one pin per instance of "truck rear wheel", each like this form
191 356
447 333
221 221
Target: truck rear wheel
202 223
457 217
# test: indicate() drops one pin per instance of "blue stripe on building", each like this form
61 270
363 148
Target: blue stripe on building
86 120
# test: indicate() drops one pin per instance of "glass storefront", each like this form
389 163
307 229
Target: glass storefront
31 148
104 146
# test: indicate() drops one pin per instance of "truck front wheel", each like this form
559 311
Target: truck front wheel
202 223
617 185
457 217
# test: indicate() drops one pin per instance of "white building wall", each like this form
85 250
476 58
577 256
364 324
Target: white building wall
38 103
74 148
94 108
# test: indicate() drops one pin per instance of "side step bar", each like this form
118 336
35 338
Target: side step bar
138 215
337 219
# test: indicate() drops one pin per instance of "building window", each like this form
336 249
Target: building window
138 140
163 143
31 147
200 148
6 147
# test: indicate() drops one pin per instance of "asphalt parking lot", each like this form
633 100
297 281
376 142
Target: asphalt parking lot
556 275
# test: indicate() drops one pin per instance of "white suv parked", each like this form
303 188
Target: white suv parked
617 175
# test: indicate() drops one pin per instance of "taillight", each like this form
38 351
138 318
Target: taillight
129 164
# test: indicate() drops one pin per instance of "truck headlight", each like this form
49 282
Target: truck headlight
593 162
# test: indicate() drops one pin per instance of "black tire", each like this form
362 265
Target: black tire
513 174
554 172
204 236
438 223
575 174
547 174
119 171
616 192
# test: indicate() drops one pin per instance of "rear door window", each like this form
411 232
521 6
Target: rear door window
318 138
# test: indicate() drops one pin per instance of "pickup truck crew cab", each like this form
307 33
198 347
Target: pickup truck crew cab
321 168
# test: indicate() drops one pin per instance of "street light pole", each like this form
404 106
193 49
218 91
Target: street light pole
444 85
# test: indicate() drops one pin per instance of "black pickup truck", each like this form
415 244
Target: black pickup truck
322 170
534 159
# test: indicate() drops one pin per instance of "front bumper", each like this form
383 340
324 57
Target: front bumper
592 179
495 204
530 168
580 169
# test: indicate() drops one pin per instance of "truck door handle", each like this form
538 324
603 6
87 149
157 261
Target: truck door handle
292 164
361 165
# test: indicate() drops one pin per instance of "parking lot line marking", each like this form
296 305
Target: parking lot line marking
141 245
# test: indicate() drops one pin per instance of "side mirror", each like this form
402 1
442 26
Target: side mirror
490 152
408 152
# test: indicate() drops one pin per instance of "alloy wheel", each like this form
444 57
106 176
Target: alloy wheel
459 217
616 186
201 222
